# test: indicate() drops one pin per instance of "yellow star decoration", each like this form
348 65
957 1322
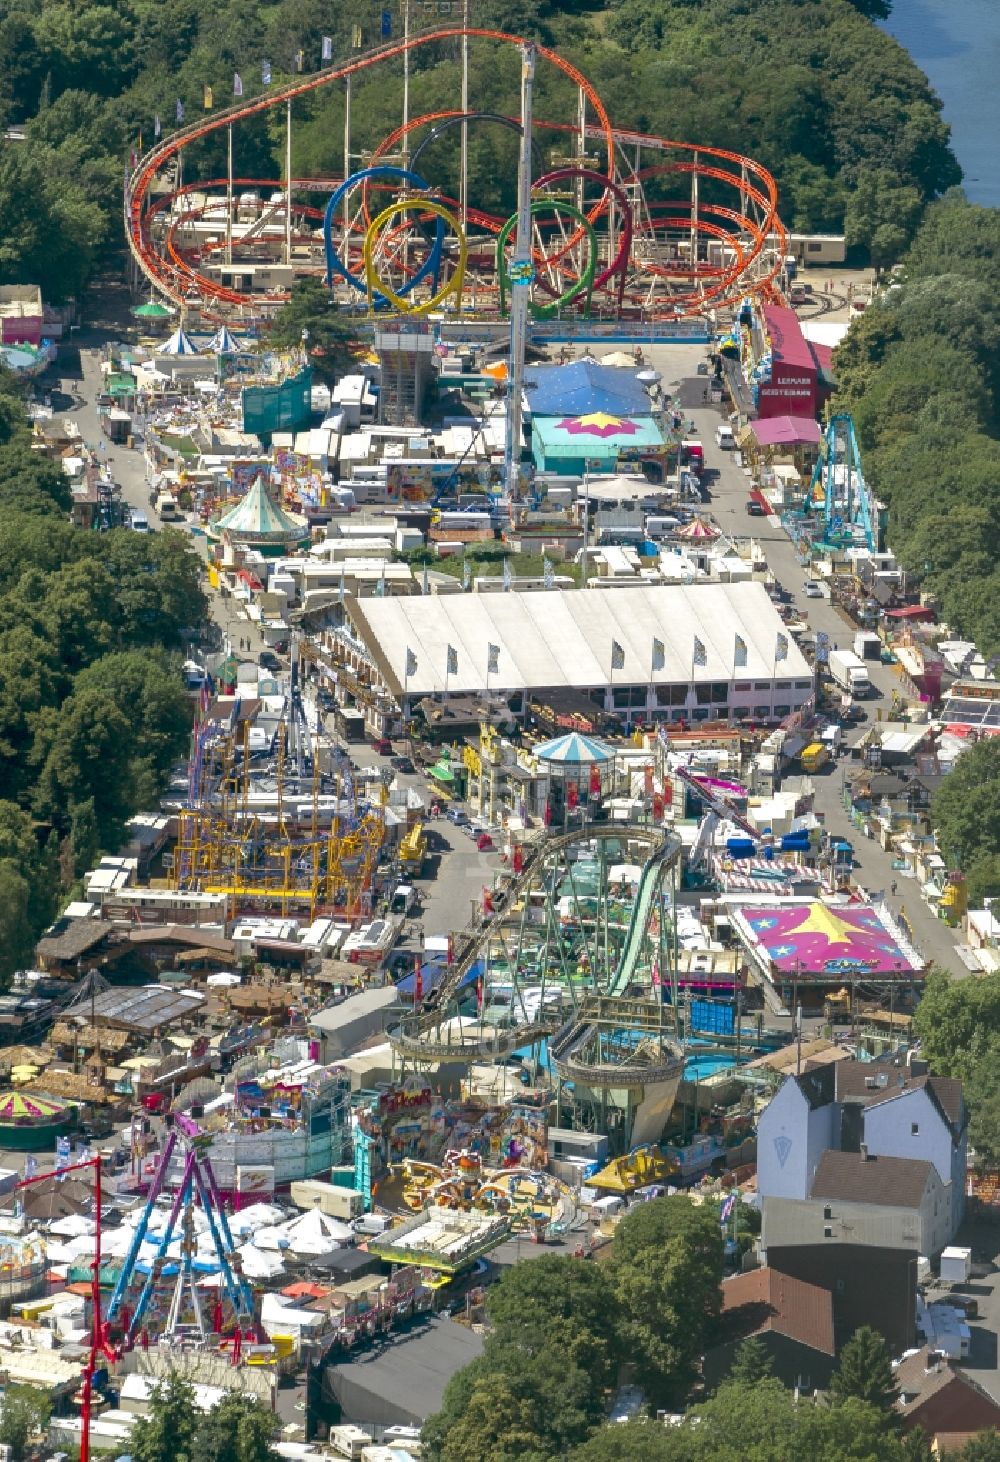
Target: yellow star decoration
820 919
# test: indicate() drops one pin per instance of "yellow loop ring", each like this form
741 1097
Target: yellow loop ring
399 302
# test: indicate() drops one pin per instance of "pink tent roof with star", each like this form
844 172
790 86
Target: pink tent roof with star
833 941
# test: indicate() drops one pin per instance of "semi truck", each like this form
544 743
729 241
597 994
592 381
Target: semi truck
850 672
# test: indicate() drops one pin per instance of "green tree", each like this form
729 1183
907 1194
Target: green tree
667 1269
762 1422
26 1411
332 340
557 1401
752 1363
641 1440
864 1372
983 1447
966 807
237 1429
982 1097
167 1432
495 1425
575 1292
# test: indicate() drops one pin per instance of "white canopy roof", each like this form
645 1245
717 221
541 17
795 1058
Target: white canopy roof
552 638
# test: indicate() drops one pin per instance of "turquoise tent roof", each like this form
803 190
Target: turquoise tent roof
257 518
574 750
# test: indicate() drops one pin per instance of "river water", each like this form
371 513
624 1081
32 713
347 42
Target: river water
957 43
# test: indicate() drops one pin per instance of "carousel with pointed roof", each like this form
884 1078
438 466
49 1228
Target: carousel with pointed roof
257 524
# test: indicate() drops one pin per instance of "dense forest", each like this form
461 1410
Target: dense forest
811 88
921 374
92 706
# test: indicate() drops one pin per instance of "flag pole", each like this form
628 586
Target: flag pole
229 194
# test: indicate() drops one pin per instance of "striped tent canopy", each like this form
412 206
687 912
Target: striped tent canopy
697 530
574 750
178 344
223 343
19 1106
257 518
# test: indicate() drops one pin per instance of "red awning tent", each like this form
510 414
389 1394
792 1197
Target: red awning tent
914 613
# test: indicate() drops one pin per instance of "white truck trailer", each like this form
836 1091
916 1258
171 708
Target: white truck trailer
850 672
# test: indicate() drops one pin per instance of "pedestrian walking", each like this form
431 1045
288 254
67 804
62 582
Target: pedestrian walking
892 888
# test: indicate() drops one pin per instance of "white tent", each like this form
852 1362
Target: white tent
255 1217
310 1233
178 344
257 1265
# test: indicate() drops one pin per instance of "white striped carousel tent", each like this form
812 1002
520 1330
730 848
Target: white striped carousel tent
544 639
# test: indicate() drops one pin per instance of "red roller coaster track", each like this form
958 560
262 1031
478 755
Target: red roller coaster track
756 239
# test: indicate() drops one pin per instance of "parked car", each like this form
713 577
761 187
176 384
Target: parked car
812 589
754 509
268 660
382 745
402 764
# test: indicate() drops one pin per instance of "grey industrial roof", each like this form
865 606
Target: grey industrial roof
896 1182
355 1007
402 1382
146 1009
553 638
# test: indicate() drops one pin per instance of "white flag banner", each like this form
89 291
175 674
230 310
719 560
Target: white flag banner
659 654
780 647
265 73
237 84
548 574
452 660
411 665
327 48
506 573
617 656
493 659
700 655
740 657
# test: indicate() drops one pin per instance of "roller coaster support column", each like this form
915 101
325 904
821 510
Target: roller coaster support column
288 181
694 218
520 273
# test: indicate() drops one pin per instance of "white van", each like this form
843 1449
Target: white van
661 526
403 900
724 437
140 523
372 1224
166 507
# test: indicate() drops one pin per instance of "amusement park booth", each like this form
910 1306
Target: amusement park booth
792 386
569 445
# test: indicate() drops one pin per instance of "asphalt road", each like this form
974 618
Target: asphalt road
875 873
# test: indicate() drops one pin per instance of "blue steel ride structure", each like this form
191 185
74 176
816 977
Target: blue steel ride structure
850 510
